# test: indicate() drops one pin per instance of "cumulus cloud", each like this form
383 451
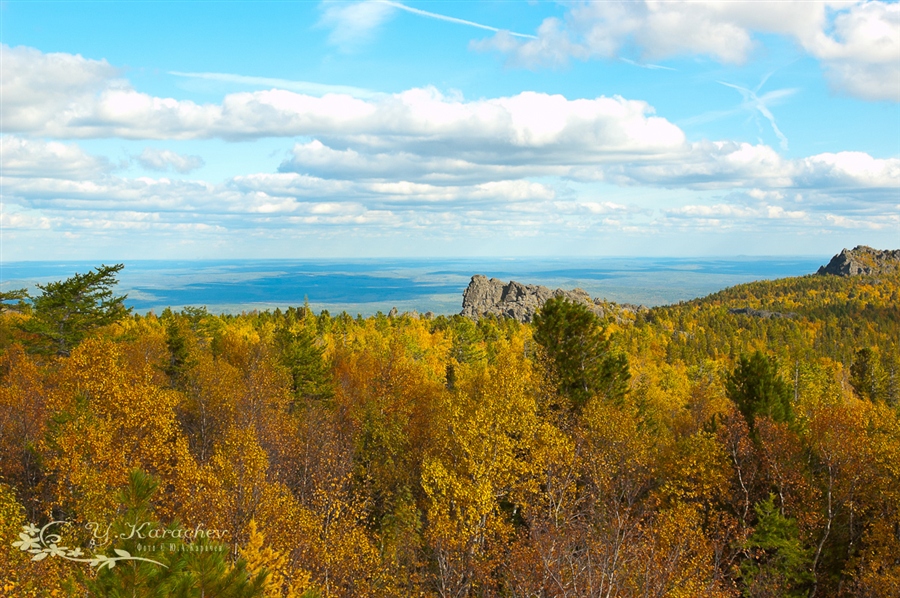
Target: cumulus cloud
733 211
37 158
722 165
847 181
522 123
768 217
847 170
419 136
163 160
419 159
882 223
13 218
858 42
262 194
276 202
38 86
867 81
318 159
289 202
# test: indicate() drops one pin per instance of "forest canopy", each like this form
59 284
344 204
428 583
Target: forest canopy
692 450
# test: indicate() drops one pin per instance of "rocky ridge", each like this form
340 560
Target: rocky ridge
863 260
484 297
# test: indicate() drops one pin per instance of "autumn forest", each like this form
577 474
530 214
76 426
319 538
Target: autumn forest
742 444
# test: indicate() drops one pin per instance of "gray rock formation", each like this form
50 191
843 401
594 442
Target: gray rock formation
760 313
863 260
519 301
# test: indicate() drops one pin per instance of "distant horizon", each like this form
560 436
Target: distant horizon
446 257
369 285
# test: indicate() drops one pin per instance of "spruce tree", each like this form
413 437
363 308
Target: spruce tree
68 310
757 389
779 564
579 352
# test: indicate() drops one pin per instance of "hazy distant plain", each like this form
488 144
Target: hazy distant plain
366 286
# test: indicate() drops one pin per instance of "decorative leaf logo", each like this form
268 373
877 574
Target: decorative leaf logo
26 542
35 541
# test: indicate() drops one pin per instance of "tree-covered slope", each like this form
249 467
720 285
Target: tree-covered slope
684 451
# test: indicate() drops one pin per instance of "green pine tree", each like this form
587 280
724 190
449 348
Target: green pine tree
579 352
757 389
68 310
779 564
867 376
147 564
300 353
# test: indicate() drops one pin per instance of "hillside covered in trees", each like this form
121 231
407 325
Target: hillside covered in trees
743 444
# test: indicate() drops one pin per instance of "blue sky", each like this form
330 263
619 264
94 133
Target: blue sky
165 130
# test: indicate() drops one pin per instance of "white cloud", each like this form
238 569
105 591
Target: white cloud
278 204
353 23
13 218
601 207
722 165
848 170
858 42
774 190
737 211
866 32
521 123
416 160
552 48
879 81
318 159
861 54
34 158
280 194
38 86
163 160
858 223
660 30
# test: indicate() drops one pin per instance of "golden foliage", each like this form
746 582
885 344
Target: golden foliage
436 458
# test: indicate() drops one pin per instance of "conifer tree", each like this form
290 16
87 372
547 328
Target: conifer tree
867 376
780 565
579 352
304 359
17 295
68 310
757 389
174 567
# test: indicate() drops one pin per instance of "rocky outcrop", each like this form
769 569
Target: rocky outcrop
863 260
519 301
760 313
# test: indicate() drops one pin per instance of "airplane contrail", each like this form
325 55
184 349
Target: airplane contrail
647 65
752 100
307 87
440 17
